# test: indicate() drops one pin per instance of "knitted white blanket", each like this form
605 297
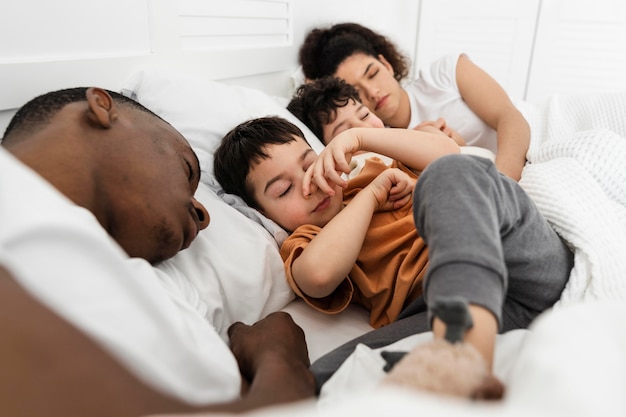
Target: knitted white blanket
577 177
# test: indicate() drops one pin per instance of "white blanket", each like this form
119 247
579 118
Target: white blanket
577 177
572 362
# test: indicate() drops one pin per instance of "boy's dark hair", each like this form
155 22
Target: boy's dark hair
324 49
38 111
315 103
244 146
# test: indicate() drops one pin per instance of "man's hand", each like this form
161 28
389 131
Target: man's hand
273 358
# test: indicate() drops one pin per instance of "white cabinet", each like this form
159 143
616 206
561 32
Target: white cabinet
580 47
496 34
533 48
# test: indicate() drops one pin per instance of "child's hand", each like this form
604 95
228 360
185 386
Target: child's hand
331 163
440 126
392 189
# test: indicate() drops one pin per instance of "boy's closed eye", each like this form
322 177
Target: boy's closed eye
279 188
285 192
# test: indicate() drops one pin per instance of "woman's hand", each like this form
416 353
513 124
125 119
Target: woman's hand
440 125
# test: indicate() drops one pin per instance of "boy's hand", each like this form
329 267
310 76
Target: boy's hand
440 126
392 189
331 163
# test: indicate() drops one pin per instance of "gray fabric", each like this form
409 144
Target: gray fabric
487 242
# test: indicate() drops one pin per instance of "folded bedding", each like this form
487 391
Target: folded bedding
577 176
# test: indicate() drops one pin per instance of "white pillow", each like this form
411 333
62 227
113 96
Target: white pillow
204 111
233 271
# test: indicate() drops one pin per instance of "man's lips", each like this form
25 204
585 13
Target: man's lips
322 204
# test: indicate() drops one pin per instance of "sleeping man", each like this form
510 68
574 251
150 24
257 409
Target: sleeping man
95 190
479 236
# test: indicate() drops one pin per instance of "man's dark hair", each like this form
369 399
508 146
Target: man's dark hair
315 103
40 110
246 145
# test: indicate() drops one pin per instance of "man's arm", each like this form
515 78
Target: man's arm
50 368
274 361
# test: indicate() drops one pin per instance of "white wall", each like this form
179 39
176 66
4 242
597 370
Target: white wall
580 47
48 45
534 48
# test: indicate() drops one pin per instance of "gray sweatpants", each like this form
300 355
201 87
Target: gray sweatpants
487 242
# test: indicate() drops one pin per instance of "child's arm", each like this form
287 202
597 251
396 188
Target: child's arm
330 256
415 149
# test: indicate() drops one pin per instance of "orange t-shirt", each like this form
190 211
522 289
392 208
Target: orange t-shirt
390 267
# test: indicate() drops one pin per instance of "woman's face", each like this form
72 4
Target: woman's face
373 79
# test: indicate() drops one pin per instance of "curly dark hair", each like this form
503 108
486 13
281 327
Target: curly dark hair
324 49
315 103
244 146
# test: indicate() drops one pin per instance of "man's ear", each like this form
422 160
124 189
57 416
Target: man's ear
102 110
386 64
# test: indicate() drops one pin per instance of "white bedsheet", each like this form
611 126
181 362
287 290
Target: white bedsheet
571 363
577 177
573 360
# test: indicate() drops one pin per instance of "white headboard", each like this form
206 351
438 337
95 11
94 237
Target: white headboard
532 47
48 45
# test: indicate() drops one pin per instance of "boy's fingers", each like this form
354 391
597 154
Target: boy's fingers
306 182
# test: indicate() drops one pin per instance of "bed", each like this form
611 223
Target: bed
577 176
571 362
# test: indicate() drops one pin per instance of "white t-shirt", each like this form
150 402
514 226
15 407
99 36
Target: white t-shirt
60 253
434 93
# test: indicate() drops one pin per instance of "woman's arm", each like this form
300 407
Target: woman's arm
490 102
